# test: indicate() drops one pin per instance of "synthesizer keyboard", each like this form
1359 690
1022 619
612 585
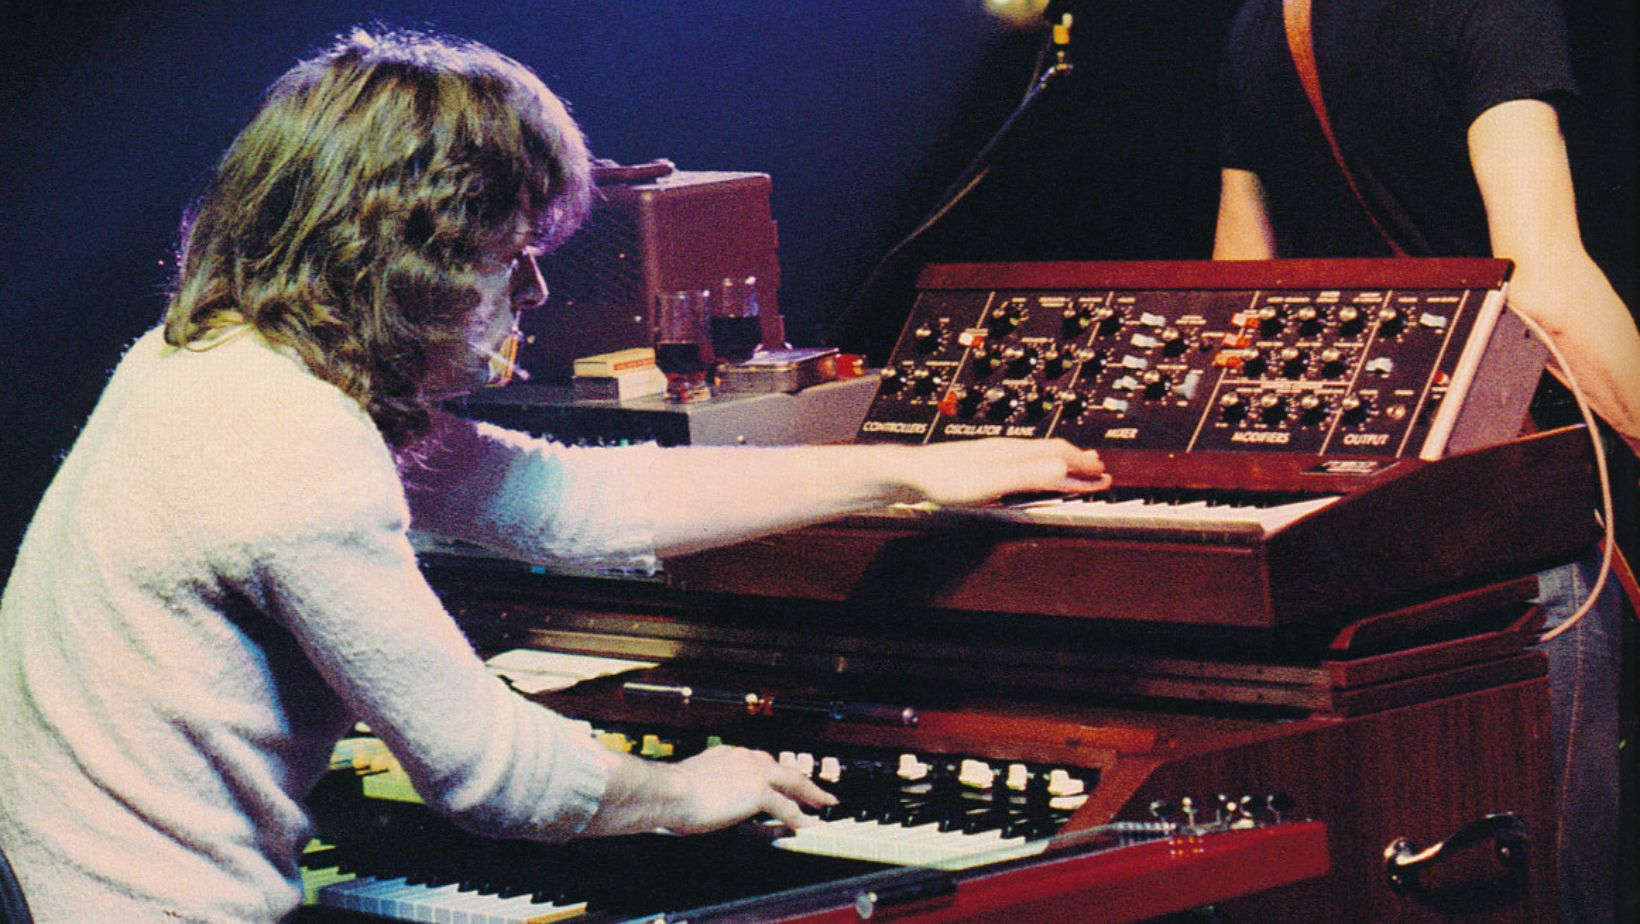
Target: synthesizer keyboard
1178 515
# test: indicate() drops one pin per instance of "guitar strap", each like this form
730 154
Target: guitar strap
1296 16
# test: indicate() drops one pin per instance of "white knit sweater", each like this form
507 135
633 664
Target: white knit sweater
217 584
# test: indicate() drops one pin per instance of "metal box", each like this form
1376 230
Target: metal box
690 229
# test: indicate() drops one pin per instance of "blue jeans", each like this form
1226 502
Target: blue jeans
1585 667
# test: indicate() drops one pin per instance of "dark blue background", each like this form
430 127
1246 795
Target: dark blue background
111 114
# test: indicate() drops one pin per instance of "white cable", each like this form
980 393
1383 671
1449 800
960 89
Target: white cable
1565 371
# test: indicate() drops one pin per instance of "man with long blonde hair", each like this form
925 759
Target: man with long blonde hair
219 581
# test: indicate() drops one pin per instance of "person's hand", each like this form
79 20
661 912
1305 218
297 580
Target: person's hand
725 785
977 471
714 789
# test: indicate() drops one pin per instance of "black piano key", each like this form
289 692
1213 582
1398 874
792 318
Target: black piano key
988 821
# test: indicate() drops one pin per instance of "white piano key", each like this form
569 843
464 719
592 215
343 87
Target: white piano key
921 845
1164 518
398 900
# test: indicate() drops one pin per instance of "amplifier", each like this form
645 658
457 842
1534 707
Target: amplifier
686 230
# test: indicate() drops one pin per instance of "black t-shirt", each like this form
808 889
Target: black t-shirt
1402 81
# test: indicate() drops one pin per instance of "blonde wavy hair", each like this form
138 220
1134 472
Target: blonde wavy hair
350 217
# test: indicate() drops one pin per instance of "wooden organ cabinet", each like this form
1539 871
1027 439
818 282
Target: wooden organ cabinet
1295 636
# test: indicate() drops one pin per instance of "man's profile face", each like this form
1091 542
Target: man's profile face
509 282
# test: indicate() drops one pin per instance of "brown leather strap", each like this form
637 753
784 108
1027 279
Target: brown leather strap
1296 16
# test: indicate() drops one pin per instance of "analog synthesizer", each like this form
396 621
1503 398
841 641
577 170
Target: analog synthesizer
1386 358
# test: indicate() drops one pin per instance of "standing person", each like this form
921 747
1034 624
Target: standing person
1448 113
218 582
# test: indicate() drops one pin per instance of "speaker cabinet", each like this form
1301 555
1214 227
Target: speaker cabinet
688 230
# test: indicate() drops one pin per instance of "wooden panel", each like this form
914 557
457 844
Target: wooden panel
1420 528
990 570
1133 883
1420 772
1461 273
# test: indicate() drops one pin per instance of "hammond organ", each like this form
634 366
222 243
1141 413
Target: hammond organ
1309 592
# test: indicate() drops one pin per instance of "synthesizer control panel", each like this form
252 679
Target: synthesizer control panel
1342 357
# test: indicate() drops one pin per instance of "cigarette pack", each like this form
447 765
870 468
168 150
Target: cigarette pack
633 383
605 364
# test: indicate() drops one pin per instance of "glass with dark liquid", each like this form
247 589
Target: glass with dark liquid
737 323
683 343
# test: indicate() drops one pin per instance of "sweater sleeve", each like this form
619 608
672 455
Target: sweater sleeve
325 551
533 499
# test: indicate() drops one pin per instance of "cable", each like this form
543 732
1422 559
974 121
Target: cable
1564 372
1043 74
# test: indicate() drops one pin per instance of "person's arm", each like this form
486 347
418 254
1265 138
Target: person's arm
1243 231
621 506
1520 163
707 496
321 547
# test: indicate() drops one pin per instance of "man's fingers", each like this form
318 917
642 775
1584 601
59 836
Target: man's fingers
784 810
797 786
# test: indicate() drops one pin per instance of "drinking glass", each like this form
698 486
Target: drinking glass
737 325
683 344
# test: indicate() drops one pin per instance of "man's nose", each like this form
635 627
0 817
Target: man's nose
529 286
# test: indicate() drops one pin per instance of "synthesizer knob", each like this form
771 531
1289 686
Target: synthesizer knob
1350 321
1109 321
1294 362
1272 408
1255 364
1311 409
1173 342
1037 404
983 359
1005 318
1020 359
1271 321
1332 363
1077 318
1156 384
923 381
1071 402
1354 408
1390 322
1309 321
960 402
892 380
1232 406
1053 363
1093 361
927 337
1000 402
